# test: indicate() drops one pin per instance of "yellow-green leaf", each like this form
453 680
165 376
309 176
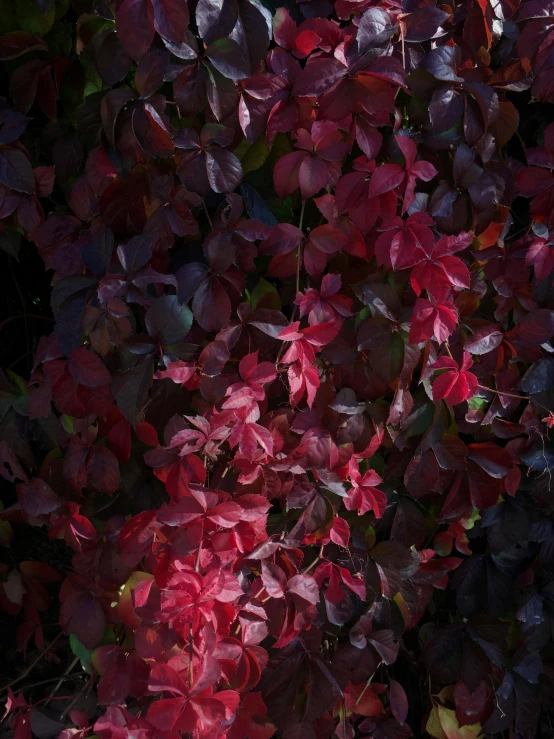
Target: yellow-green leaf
451 727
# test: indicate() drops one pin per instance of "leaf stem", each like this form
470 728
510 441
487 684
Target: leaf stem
197 565
299 250
191 655
368 683
316 560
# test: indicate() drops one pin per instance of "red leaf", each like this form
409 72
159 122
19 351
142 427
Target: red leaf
88 369
318 76
456 384
171 19
398 701
313 175
286 175
385 178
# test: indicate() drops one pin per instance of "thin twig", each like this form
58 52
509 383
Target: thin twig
299 250
207 214
60 681
402 27
191 655
23 303
502 392
24 315
197 565
51 680
86 686
298 265
33 664
516 397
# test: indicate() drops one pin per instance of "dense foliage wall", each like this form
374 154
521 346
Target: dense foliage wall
278 377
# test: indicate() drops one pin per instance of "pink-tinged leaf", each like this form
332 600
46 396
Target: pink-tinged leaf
135 26
304 586
424 171
385 644
398 701
375 29
535 328
485 340
282 239
340 532
274 580
322 333
313 175
369 138
384 179
284 29
318 77
88 369
171 19
541 255
286 175
16 171
472 706
224 170
179 372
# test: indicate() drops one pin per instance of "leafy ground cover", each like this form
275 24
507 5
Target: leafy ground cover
277 387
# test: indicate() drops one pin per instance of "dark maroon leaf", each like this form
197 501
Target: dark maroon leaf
16 171
224 170
135 26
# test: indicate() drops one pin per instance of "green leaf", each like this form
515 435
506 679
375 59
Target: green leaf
476 404
242 148
80 651
265 295
10 243
255 156
109 636
282 209
32 19
68 424
18 384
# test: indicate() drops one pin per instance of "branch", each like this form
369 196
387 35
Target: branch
33 664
